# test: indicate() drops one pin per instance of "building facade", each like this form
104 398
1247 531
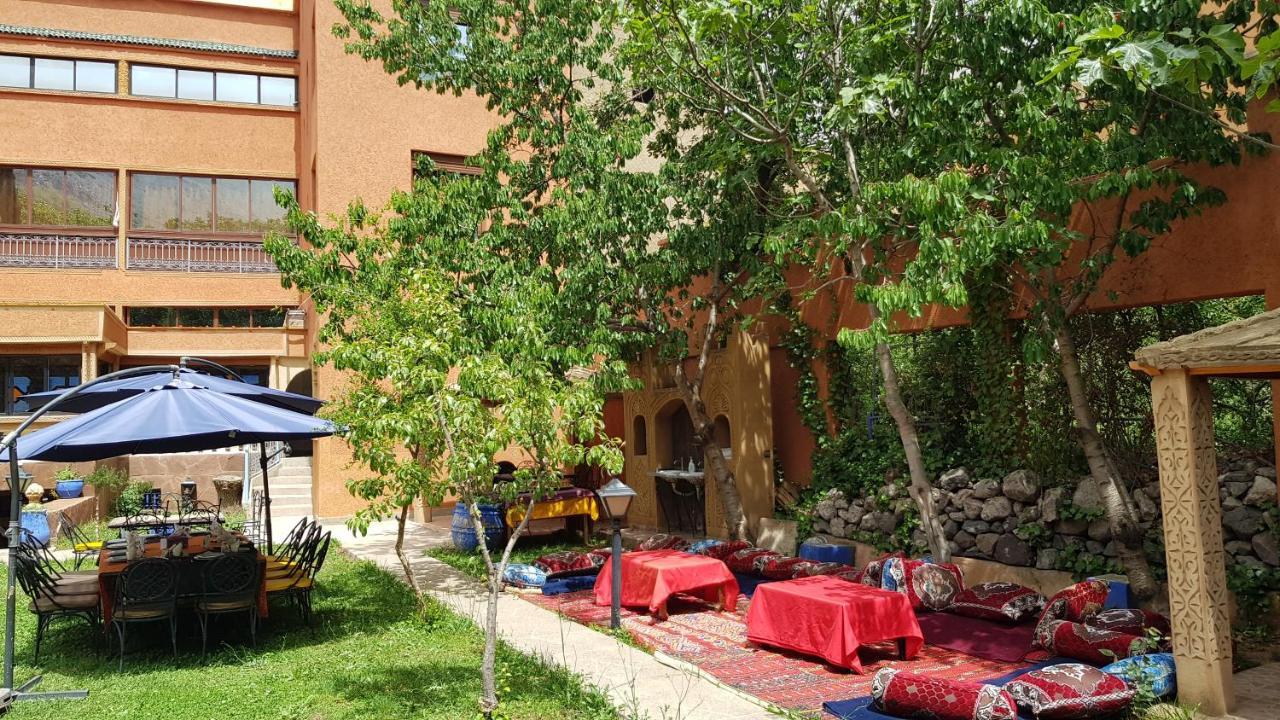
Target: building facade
141 142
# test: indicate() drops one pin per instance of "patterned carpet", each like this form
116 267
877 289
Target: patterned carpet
717 643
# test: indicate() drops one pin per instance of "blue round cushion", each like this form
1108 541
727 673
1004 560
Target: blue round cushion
1156 670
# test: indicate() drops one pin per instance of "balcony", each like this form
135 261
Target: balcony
198 255
57 251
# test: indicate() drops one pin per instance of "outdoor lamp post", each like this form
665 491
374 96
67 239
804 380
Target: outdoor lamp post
616 497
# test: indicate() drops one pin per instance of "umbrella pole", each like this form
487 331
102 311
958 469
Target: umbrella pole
15 529
266 494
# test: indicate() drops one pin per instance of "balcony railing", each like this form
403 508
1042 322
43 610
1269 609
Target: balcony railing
191 255
57 251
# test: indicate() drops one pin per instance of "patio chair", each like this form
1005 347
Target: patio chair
290 549
146 592
199 514
251 528
229 584
82 548
49 601
298 583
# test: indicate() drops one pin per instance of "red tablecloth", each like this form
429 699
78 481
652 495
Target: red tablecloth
830 618
651 577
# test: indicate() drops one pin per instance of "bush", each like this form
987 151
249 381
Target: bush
107 480
130 500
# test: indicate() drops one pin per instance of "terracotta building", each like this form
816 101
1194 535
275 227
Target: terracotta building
140 142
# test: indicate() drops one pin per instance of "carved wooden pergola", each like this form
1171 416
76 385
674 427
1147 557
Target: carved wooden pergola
1183 403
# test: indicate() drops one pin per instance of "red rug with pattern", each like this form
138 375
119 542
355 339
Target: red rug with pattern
716 642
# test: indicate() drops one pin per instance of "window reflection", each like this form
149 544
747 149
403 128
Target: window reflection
91 198
154 202
197 204
26 375
48 199
237 87
279 91
55 74
152 81
195 85
41 196
267 215
233 205
95 76
15 71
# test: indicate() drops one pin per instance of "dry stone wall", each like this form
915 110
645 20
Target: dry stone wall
1020 520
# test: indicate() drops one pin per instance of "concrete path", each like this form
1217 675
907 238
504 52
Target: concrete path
640 685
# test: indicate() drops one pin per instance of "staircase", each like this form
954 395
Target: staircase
290 488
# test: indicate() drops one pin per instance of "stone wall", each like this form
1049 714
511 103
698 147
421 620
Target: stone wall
1019 520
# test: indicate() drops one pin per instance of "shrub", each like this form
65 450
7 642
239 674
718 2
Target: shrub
130 500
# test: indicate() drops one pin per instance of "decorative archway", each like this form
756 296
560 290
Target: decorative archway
1182 401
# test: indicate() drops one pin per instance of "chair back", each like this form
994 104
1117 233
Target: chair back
148 584
294 535
153 499
32 576
230 576
199 512
40 554
317 560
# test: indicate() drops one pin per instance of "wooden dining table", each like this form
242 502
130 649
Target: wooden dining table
109 572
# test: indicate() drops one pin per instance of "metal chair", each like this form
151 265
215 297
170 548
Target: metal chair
252 526
82 548
290 549
199 514
299 581
49 601
146 592
229 584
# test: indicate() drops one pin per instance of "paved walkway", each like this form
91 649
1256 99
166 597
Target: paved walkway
642 686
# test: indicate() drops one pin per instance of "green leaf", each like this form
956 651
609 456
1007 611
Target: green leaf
1111 32
1090 71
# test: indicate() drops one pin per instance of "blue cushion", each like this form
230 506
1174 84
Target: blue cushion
523 575
1156 670
823 552
701 547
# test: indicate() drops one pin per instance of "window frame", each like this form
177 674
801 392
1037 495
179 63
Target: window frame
215 72
176 313
29 227
6 377
451 163
75 70
214 233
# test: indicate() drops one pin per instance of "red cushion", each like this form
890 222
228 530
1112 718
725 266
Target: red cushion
600 555
1132 621
1075 603
750 561
1001 601
565 562
930 585
912 695
871 573
827 568
724 550
1070 691
785 568
1083 642
663 542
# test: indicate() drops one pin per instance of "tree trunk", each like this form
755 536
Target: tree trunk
921 488
714 465
1116 499
488 674
404 559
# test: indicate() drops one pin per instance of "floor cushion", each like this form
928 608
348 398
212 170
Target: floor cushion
1070 691
600 555
725 549
1085 642
751 560
1156 671
931 585
826 568
523 575
910 695
1000 601
1075 603
1132 621
785 568
662 541
874 571
566 562
702 547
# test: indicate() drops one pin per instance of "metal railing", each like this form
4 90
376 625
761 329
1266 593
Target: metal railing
191 255
57 251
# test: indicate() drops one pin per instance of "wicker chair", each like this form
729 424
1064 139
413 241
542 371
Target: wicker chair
146 592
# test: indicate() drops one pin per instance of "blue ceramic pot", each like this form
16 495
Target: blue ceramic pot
37 523
69 489
463 532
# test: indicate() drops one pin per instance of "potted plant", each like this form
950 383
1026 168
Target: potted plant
68 483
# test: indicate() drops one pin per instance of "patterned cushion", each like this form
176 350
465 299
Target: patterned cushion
600 555
1155 670
521 575
566 562
1002 601
853 576
930 585
1131 621
827 568
1083 642
912 695
1075 603
724 550
750 561
702 547
874 571
1070 691
662 541
786 568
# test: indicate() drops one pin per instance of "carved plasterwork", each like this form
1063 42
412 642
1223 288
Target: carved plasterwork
1253 340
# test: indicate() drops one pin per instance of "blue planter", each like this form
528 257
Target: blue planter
69 489
463 531
37 523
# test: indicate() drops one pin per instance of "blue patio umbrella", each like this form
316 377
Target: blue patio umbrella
111 391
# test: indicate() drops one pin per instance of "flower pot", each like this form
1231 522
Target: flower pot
68 489
36 522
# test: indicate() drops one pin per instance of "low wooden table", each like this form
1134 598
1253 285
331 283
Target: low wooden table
831 618
650 578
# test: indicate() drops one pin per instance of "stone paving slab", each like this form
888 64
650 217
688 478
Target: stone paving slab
641 685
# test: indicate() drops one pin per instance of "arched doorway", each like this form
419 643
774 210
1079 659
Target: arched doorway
300 384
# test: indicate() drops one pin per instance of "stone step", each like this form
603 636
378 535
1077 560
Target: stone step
279 509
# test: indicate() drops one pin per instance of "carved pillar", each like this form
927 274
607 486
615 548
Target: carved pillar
1193 540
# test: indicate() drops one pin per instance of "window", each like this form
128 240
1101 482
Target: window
205 204
57 74
252 374
215 85
458 51
431 164
25 375
192 317
51 197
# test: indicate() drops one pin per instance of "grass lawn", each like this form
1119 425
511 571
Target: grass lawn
526 551
370 655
